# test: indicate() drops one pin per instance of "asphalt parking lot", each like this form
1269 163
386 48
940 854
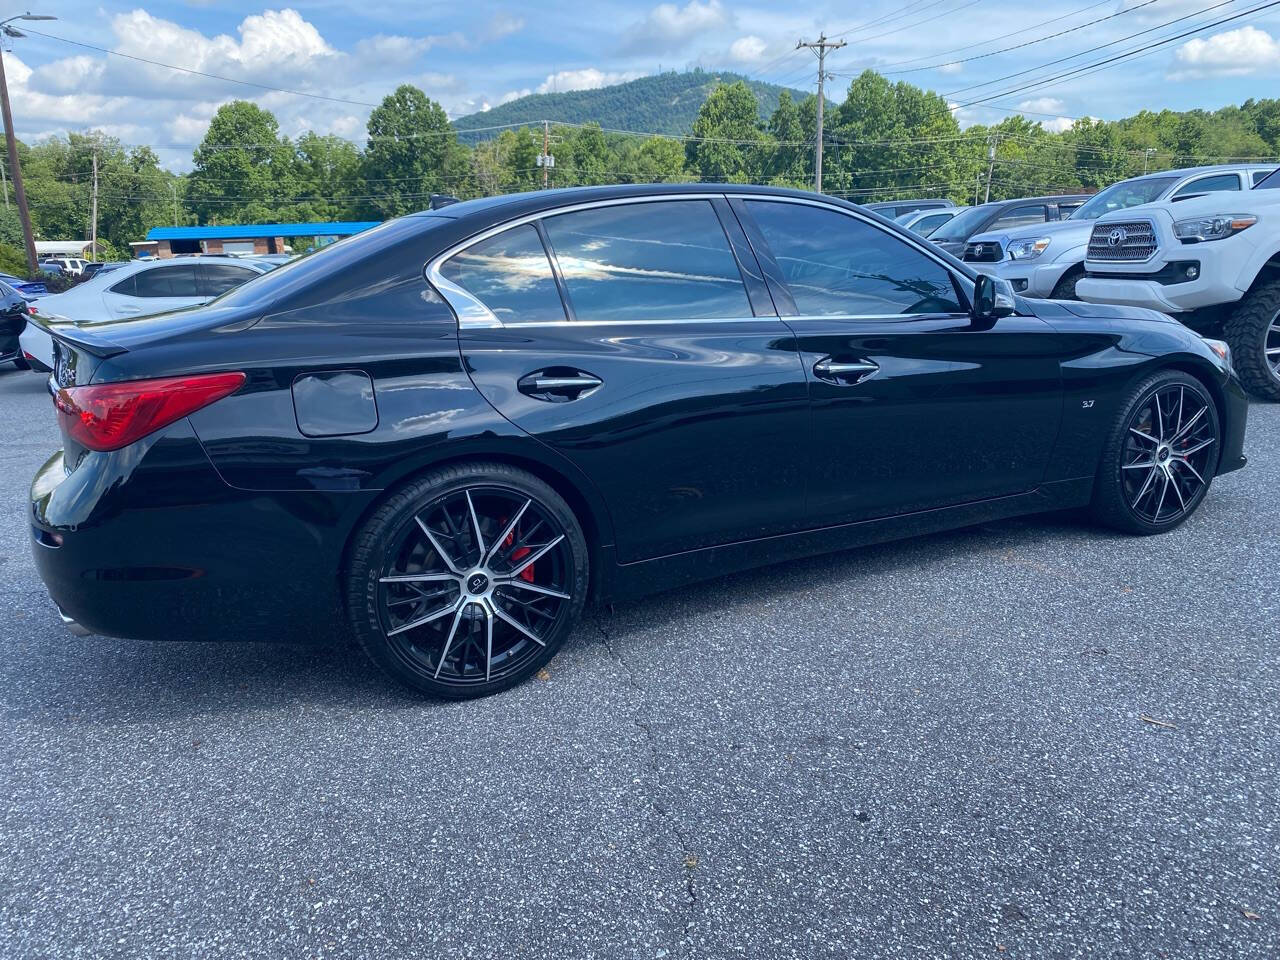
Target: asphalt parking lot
942 747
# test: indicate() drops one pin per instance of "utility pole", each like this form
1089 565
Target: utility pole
991 164
545 160
4 179
173 188
93 231
1146 158
19 193
820 48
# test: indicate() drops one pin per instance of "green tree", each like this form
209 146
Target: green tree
245 171
725 131
412 152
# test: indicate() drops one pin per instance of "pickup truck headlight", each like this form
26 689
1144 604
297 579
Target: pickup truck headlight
1028 249
1216 227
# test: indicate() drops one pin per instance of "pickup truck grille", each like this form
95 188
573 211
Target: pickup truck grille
1132 240
986 252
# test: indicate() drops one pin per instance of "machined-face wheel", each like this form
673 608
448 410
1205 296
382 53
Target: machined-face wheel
1169 453
474 585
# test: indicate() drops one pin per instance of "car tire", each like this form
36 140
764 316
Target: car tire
467 580
21 363
1065 288
1160 456
1249 333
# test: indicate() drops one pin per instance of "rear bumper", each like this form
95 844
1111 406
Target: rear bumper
148 543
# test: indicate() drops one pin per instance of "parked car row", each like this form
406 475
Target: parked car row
1142 242
136 288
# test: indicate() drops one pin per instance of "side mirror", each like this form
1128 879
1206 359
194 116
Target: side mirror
992 298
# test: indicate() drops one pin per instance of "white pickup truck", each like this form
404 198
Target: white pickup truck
1211 261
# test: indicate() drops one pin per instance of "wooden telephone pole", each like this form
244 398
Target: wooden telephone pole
820 48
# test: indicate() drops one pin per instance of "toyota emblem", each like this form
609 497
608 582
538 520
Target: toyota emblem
1117 236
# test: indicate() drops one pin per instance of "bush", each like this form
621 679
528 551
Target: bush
12 260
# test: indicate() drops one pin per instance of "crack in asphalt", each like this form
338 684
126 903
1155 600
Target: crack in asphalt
689 860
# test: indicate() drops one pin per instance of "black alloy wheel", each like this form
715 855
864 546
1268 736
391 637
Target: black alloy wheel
1158 469
468 580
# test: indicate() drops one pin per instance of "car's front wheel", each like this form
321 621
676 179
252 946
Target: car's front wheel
1160 457
467 580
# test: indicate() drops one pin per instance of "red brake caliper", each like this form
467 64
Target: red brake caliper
527 573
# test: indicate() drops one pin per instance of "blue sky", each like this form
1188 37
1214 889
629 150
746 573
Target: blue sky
474 55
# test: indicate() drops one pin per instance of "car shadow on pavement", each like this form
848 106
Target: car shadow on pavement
141 681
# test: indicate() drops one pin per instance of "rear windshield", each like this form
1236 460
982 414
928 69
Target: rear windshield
293 276
1121 196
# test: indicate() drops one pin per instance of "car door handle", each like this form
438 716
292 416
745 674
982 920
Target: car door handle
844 372
542 385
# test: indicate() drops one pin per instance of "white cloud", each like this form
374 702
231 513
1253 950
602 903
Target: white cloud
669 27
1043 105
748 49
586 79
1233 53
503 25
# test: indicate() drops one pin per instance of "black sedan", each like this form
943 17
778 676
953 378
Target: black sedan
14 310
448 433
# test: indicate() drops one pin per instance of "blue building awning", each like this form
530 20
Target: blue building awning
255 231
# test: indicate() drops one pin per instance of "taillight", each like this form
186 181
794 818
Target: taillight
108 416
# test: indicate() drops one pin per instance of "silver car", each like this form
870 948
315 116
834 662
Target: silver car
1046 259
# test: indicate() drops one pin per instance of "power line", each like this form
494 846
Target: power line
197 73
1003 36
1027 43
1129 53
1084 53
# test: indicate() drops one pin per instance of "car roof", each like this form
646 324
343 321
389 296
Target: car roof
1207 168
509 205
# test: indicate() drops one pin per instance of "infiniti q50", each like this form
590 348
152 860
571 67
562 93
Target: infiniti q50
449 433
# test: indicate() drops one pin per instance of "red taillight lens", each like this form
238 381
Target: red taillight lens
108 416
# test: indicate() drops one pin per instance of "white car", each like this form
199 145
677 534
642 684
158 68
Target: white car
70 265
1048 259
140 288
1212 261
924 222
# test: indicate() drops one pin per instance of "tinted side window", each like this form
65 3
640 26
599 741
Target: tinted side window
176 281
666 260
126 287
511 275
218 278
1028 213
1260 175
836 264
1222 181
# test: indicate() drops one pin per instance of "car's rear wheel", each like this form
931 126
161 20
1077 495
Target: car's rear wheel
1160 457
467 580
1253 332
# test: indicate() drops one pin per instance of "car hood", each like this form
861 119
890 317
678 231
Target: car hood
1247 201
1048 309
1060 230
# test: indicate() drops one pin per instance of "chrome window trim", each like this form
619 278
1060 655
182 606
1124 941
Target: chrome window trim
473 314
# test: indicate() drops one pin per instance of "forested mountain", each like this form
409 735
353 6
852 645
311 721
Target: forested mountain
666 103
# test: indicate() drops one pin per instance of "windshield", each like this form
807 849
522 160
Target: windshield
1120 196
963 225
1270 182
